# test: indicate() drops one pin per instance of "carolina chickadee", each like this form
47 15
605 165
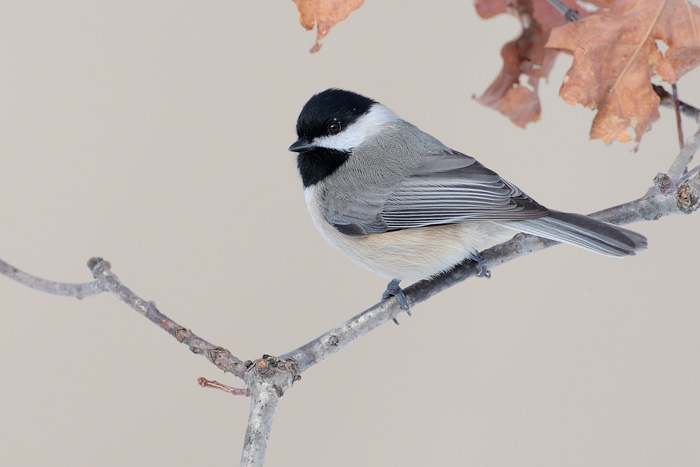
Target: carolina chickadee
402 204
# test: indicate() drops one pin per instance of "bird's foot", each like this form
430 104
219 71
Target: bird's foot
393 290
483 267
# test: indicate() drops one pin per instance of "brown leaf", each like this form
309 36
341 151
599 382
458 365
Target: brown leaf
525 55
519 102
615 56
521 105
489 8
324 14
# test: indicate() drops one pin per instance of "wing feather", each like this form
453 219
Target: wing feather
445 189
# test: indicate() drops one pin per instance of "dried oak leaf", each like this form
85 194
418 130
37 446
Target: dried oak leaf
615 56
324 14
525 55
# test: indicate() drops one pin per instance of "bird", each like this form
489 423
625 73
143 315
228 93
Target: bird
402 204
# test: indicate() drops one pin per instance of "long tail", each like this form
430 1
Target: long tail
576 229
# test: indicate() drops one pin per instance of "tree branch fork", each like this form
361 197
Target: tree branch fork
268 378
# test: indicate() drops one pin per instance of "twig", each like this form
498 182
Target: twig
676 107
78 291
667 101
690 174
205 383
569 15
219 356
684 158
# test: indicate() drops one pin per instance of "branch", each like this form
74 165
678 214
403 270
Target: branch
569 15
219 356
684 157
78 291
668 101
205 383
677 108
269 380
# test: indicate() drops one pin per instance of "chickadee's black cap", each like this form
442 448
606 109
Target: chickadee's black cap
331 105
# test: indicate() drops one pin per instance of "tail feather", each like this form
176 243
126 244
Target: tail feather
582 231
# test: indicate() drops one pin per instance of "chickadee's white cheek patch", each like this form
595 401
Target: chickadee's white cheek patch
358 132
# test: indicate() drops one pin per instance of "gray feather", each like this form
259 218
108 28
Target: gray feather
584 232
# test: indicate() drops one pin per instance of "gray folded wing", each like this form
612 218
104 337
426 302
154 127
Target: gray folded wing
442 189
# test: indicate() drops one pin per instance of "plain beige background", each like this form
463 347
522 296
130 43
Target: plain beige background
154 134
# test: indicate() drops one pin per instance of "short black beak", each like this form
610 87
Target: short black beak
301 145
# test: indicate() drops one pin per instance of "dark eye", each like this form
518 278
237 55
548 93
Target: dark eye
334 128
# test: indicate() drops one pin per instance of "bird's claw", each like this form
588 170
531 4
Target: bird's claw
484 270
393 290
